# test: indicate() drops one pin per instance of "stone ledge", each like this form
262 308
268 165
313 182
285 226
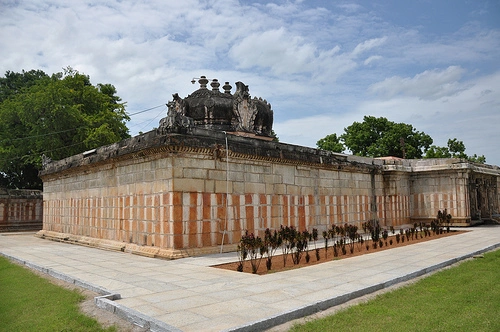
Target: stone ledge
147 251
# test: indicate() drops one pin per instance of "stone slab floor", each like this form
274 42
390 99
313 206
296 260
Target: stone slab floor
189 295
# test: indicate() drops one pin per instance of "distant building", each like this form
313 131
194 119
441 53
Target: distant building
20 210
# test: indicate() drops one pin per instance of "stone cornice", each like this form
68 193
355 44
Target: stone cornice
211 144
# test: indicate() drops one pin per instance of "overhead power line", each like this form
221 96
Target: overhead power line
66 130
149 109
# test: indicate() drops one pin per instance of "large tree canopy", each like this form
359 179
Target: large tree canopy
56 116
455 149
379 137
331 143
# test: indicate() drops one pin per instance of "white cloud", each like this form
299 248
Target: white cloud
372 59
350 7
430 84
275 49
321 64
469 116
368 45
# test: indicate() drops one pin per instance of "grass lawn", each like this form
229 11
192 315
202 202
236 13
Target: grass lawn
31 303
463 298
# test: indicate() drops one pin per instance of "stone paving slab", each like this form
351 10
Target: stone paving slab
189 295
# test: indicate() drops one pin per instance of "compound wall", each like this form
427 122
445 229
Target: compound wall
20 210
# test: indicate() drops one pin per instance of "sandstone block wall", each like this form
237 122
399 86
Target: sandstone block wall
20 210
189 200
173 194
433 191
396 198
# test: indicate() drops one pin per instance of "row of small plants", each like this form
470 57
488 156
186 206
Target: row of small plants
342 238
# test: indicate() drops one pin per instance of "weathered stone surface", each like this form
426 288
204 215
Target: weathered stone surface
181 189
214 110
20 210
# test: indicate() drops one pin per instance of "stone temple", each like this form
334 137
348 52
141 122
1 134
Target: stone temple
212 170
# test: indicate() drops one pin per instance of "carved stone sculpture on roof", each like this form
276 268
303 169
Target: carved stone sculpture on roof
221 111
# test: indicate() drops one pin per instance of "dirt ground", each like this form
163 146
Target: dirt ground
278 264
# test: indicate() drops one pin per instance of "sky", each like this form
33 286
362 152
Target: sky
322 65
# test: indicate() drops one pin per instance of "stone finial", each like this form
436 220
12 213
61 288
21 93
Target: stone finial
227 88
215 84
203 82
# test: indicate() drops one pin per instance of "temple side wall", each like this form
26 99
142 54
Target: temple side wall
178 201
127 201
396 198
20 210
439 190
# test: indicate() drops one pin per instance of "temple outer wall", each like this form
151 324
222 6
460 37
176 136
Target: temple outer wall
175 195
20 210
189 200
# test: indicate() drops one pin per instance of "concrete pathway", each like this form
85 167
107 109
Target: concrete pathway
189 295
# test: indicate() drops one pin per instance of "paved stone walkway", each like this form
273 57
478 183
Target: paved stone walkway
189 295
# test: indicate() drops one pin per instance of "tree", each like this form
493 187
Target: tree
56 116
454 149
14 83
274 136
378 137
438 152
331 143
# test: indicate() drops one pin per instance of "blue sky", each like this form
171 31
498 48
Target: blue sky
321 64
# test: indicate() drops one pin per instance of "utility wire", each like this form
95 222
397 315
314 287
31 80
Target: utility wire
43 152
149 109
66 130
149 122
48 134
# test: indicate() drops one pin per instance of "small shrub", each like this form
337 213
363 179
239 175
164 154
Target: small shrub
325 236
385 235
342 246
255 249
373 227
361 241
287 235
299 246
351 232
242 256
314 236
272 241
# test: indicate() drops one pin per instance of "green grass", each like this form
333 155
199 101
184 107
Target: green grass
463 298
29 302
